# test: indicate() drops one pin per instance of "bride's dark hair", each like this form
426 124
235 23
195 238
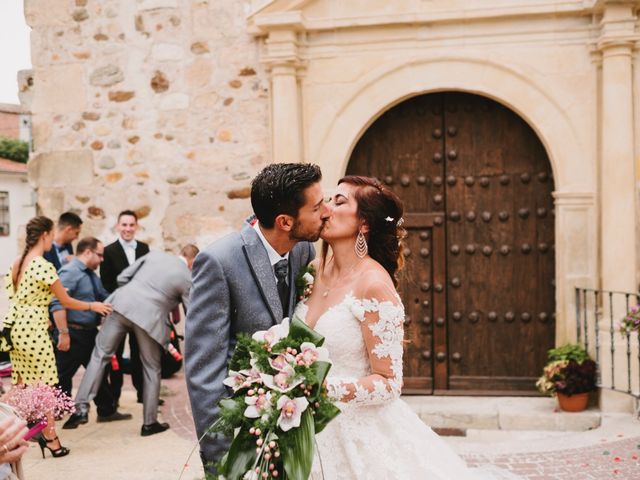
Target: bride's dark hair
381 210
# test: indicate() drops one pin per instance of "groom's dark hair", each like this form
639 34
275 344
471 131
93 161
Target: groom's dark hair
279 189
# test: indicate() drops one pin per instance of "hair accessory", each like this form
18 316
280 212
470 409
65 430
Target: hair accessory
389 219
400 222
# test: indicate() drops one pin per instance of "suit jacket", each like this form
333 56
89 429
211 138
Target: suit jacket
149 289
234 290
115 261
52 256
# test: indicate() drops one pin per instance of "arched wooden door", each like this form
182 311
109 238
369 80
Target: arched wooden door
478 287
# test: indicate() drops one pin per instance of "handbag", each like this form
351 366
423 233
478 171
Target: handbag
6 344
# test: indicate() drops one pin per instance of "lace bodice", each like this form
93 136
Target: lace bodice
364 339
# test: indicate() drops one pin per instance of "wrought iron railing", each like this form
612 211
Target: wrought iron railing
598 317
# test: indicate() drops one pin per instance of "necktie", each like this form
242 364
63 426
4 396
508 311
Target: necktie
281 270
94 285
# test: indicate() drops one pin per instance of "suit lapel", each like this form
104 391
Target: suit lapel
122 257
262 271
294 268
140 250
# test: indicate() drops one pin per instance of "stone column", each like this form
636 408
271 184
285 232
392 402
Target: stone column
618 214
617 166
286 116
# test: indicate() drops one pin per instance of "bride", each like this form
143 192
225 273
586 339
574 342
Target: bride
355 306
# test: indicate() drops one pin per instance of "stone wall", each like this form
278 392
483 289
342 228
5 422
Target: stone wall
160 106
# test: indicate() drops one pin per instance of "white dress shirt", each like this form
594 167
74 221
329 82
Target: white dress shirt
129 249
274 257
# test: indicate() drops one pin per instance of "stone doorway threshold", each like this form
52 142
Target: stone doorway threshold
455 416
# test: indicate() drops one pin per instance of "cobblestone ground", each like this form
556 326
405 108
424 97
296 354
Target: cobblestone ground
608 459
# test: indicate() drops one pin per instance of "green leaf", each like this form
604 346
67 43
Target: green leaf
301 331
240 457
14 149
322 419
321 369
297 458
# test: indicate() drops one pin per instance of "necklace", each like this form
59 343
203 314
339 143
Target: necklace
341 277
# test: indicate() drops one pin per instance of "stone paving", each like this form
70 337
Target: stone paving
610 452
116 451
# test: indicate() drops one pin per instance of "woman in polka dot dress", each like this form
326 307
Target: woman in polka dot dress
30 284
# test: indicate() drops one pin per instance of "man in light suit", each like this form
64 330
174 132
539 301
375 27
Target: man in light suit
149 290
245 282
118 256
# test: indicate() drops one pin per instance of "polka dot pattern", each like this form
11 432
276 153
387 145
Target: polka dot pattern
32 357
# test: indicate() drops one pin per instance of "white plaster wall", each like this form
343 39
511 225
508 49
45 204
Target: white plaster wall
21 209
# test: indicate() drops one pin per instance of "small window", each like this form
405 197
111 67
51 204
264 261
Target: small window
4 214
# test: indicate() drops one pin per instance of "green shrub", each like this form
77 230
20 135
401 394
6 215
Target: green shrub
13 149
568 352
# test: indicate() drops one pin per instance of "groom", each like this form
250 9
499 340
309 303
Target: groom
245 282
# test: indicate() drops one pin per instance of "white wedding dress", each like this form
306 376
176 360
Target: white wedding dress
377 435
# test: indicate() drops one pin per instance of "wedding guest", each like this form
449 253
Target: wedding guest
12 446
76 331
118 256
149 290
30 283
66 231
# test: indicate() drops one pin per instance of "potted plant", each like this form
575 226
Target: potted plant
570 375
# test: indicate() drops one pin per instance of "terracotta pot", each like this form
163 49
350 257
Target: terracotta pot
573 403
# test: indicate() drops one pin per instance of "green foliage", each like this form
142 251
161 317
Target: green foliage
569 371
570 352
297 449
303 333
240 457
13 149
259 445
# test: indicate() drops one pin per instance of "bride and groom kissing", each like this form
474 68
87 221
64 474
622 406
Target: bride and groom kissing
245 282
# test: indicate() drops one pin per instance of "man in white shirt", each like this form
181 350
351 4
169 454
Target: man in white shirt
118 256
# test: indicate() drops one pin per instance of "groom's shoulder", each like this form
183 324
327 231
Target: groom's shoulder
304 249
224 245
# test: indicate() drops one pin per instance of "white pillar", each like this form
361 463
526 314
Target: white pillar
618 215
286 114
617 164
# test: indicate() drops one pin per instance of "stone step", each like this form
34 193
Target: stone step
455 415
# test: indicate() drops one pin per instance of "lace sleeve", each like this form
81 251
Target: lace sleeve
382 330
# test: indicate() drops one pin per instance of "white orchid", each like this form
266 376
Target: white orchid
235 380
250 475
274 334
281 361
257 404
290 411
308 278
310 354
283 381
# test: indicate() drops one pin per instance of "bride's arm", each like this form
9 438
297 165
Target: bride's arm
382 318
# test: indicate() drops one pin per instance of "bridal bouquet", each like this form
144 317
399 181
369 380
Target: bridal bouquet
278 404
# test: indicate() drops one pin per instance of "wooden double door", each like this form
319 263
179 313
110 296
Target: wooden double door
478 285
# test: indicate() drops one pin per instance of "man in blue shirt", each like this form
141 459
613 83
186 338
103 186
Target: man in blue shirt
76 330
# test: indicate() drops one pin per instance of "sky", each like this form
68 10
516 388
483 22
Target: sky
14 48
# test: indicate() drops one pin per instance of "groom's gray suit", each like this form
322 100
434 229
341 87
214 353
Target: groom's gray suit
234 290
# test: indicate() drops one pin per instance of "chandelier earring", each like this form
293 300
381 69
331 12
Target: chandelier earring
361 245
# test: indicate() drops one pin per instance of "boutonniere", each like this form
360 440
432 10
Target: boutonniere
304 282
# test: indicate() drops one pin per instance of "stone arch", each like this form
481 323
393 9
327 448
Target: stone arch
391 84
